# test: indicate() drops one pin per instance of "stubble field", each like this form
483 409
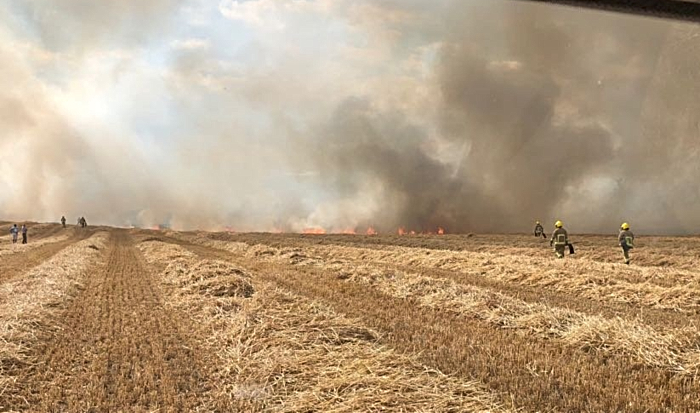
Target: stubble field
103 319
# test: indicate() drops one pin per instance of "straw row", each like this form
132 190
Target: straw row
25 303
668 289
276 351
677 350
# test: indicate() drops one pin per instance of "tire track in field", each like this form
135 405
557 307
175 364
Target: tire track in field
120 349
13 265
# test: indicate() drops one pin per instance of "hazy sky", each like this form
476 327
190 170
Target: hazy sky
475 115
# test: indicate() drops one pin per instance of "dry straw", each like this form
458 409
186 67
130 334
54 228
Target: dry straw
669 289
27 302
677 350
276 351
7 247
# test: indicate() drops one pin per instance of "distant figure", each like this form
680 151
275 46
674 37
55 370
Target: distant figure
539 230
626 239
560 239
24 234
63 221
14 230
82 222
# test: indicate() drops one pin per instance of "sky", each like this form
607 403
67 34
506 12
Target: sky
283 115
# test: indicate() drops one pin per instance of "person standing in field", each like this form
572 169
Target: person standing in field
539 230
63 221
14 230
24 233
626 240
560 239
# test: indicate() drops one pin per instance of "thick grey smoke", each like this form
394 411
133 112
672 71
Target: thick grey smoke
556 113
479 115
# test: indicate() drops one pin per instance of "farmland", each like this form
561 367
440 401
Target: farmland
105 319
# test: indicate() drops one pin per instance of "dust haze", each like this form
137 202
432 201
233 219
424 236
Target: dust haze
475 116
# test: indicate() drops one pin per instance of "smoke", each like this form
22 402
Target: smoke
82 25
551 112
287 114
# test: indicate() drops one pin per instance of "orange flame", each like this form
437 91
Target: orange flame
413 232
402 231
315 231
348 231
371 231
441 231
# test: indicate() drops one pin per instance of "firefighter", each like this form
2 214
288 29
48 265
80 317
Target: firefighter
24 234
626 240
63 221
560 239
539 230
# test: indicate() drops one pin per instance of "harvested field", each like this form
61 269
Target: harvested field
141 321
657 288
278 351
7 248
28 301
15 259
663 252
618 342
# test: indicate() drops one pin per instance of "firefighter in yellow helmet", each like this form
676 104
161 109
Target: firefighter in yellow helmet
626 239
560 239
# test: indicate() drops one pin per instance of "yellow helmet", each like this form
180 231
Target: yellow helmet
625 226
537 222
558 224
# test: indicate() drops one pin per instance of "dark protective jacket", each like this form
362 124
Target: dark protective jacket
539 229
560 237
626 238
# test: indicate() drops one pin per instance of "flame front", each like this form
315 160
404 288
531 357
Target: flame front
371 231
314 231
403 231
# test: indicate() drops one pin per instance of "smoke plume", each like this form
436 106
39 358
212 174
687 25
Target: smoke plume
343 115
